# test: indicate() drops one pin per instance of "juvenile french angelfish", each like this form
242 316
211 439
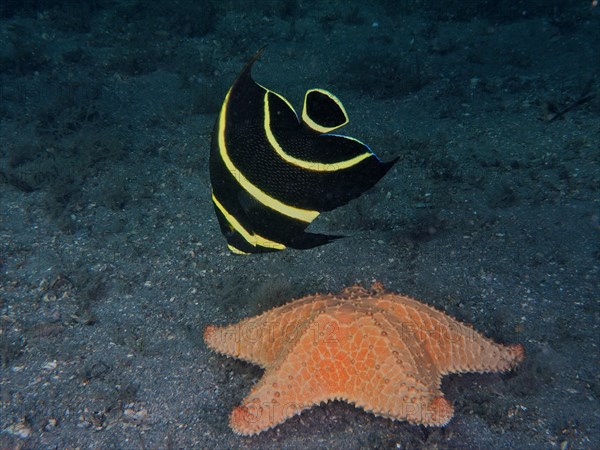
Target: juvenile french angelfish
273 174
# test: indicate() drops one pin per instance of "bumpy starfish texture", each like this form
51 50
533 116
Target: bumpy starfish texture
383 352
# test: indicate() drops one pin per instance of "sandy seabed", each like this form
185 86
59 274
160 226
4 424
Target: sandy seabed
112 262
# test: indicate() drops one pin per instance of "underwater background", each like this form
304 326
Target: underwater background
111 257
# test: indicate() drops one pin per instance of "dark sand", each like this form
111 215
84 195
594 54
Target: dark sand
112 261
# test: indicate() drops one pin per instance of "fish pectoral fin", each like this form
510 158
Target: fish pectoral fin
322 111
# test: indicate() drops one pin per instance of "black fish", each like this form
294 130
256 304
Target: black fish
272 174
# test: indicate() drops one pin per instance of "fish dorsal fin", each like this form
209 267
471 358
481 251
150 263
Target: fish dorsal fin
322 111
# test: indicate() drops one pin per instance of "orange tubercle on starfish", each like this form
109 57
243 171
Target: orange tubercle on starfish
383 352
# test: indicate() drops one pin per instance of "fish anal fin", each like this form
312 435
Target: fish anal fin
306 240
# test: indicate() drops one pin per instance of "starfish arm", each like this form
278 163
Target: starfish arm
393 377
455 348
259 340
452 346
298 379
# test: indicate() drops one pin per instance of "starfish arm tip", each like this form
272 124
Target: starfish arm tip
209 330
241 420
518 352
212 337
442 411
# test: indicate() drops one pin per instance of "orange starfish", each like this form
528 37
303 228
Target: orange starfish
380 351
